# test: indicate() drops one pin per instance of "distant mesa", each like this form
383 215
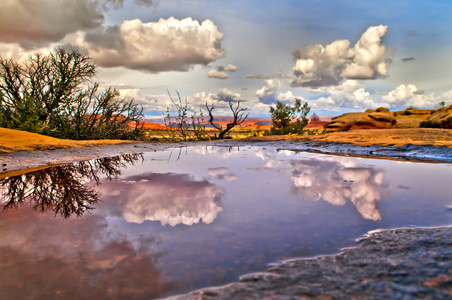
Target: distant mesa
317 122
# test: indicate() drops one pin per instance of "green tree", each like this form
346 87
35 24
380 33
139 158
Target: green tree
289 119
51 94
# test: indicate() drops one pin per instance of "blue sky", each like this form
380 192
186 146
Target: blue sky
338 56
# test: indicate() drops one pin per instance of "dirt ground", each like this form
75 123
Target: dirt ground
382 137
14 140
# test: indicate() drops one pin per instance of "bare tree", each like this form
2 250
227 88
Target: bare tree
184 122
238 114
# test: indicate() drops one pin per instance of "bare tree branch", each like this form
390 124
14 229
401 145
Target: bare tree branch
238 114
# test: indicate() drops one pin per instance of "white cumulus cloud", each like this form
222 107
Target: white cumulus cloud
165 45
270 93
221 72
217 74
404 94
317 65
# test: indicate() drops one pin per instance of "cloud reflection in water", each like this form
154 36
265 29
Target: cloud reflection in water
332 179
47 258
334 183
221 173
169 198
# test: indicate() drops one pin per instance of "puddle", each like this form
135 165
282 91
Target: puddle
167 222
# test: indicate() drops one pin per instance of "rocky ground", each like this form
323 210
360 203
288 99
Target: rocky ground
410 263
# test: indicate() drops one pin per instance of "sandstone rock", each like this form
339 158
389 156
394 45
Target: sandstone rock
416 111
441 118
352 121
386 117
382 109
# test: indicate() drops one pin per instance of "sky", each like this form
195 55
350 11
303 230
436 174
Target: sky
338 55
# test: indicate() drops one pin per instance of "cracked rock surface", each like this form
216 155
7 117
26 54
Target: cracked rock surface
408 263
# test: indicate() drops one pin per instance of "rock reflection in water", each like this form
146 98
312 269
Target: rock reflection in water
169 198
62 189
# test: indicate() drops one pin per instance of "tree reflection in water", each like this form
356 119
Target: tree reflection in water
62 189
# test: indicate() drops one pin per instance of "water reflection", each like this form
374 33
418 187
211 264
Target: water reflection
45 258
62 189
221 173
334 183
169 198
332 180
292 204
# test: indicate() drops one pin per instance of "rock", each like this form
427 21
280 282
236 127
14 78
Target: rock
386 117
416 111
441 118
353 121
382 109
406 263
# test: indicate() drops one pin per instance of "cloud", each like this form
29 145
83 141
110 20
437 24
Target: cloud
149 102
280 75
350 94
407 59
115 4
165 45
217 74
318 66
36 23
219 100
167 198
230 68
409 95
270 93
220 71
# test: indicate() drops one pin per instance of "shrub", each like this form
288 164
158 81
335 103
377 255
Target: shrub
429 124
51 95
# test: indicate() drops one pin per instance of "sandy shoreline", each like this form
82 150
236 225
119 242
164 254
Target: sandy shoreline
430 145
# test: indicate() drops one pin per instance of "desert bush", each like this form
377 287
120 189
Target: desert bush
429 124
52 95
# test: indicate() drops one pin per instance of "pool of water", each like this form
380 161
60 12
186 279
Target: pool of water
166 222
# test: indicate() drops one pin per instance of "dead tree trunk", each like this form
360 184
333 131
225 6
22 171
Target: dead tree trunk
238 114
